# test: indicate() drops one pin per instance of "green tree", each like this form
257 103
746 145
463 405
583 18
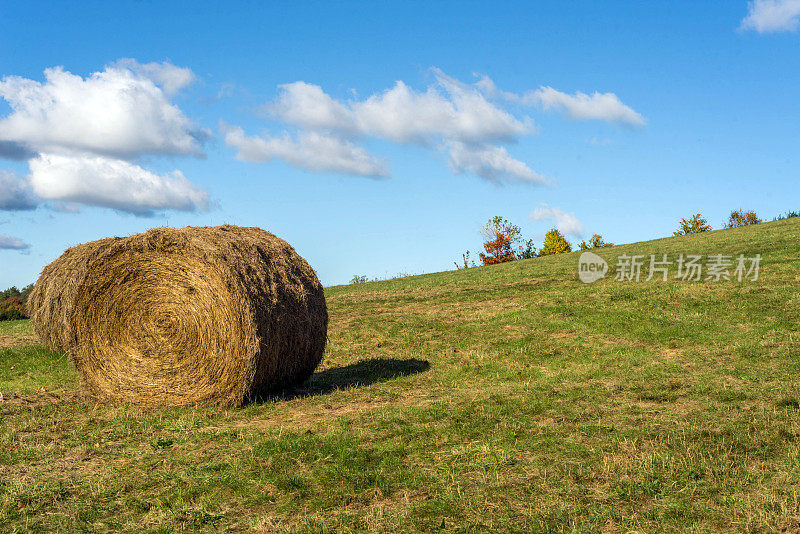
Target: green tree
527 250
693 225
555 243
596 241
9 293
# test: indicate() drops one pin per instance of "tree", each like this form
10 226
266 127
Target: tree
742 218
555 243
500 237
693 225
596 241
527 250
9 293
12 308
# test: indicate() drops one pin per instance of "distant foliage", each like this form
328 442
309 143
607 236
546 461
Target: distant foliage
466 263
596 241
693 225
502 243
527 250
14 292
555 243
359 279
501 236
12 303
789 215
742 218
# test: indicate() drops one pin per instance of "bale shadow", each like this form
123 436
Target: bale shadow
361 373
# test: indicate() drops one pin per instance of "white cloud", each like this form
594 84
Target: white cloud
15 193
459 112
449 109
581 106
12 243
311 151
169 77
566 223
119 112
490 162
770 16
112 183
308 106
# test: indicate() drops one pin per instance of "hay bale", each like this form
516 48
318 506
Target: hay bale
196 315
50 303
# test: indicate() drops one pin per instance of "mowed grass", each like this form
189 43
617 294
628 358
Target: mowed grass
510 398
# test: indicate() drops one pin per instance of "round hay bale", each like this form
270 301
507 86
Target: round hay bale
197 315
50 303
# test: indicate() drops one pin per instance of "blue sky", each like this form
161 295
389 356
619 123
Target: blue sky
378 138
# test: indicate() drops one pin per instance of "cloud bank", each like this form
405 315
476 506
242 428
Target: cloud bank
83 136
772 16
468 122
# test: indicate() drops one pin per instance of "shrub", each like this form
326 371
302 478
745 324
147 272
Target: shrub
555 243
596 241
359 279
12 315
527 250
465 262
12 308
693 225
789 215
742 218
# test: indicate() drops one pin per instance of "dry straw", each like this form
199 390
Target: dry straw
51 301
191 315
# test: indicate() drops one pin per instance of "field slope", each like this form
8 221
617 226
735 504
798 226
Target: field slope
507 398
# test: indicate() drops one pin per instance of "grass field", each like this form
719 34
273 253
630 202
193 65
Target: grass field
510 398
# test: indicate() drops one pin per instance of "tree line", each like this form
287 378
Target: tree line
503 240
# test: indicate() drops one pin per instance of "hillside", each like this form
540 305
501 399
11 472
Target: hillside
507 398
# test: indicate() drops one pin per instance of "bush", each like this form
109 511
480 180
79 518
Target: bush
12 303
596 241
12 308
693 225
789 215
555 243
742 218
465 262
527 250
12 315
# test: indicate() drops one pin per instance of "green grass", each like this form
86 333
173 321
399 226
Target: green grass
510 398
